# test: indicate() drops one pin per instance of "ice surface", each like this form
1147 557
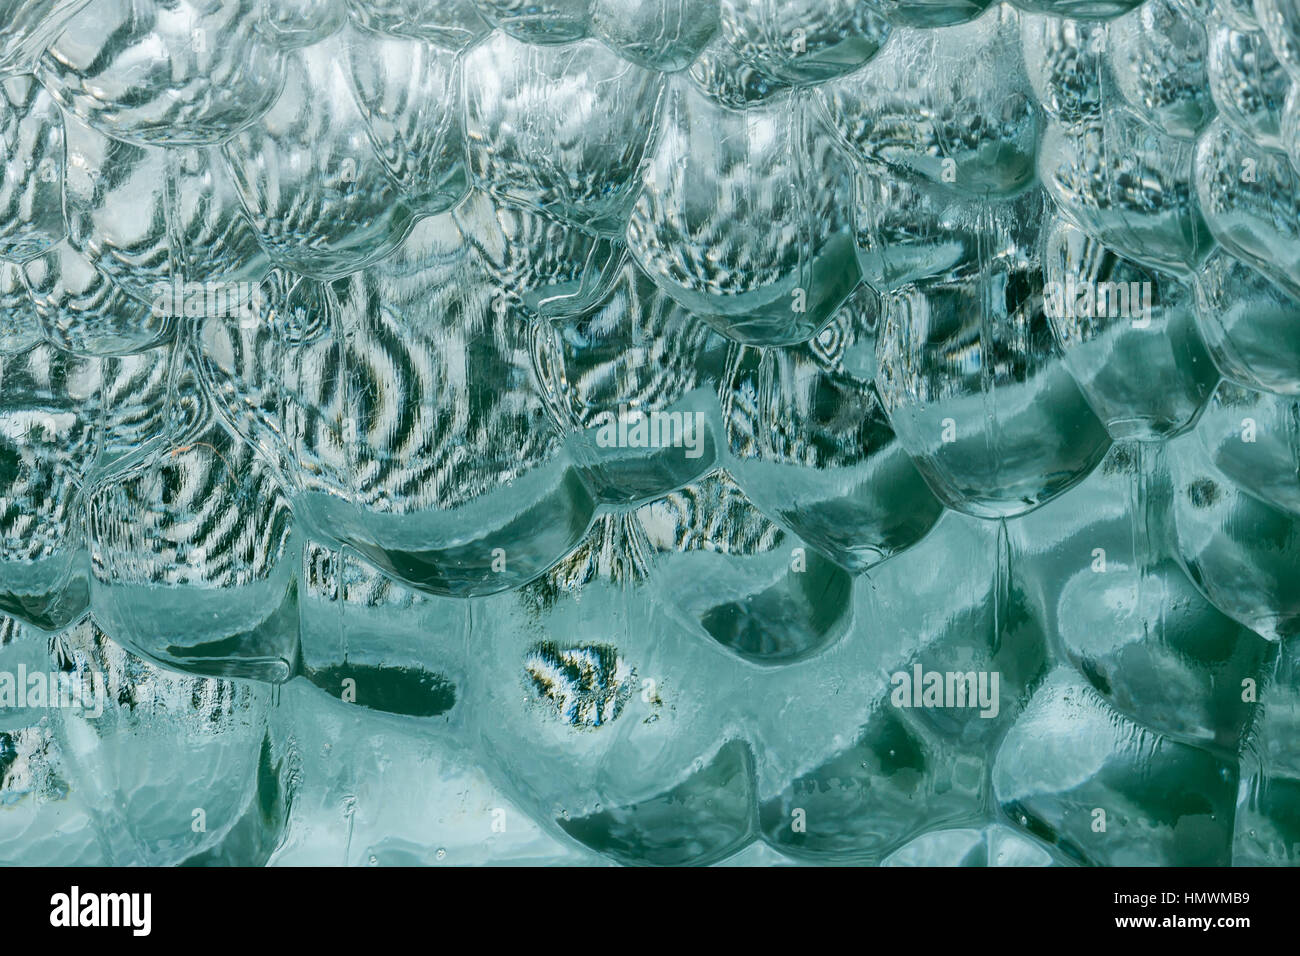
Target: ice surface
1143 369
1165 803
573 432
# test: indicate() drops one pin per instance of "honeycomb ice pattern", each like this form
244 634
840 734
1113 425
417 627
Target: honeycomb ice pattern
576 431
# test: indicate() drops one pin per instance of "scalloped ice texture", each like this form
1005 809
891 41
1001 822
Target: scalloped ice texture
650 431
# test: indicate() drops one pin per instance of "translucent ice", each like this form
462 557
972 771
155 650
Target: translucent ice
747 432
